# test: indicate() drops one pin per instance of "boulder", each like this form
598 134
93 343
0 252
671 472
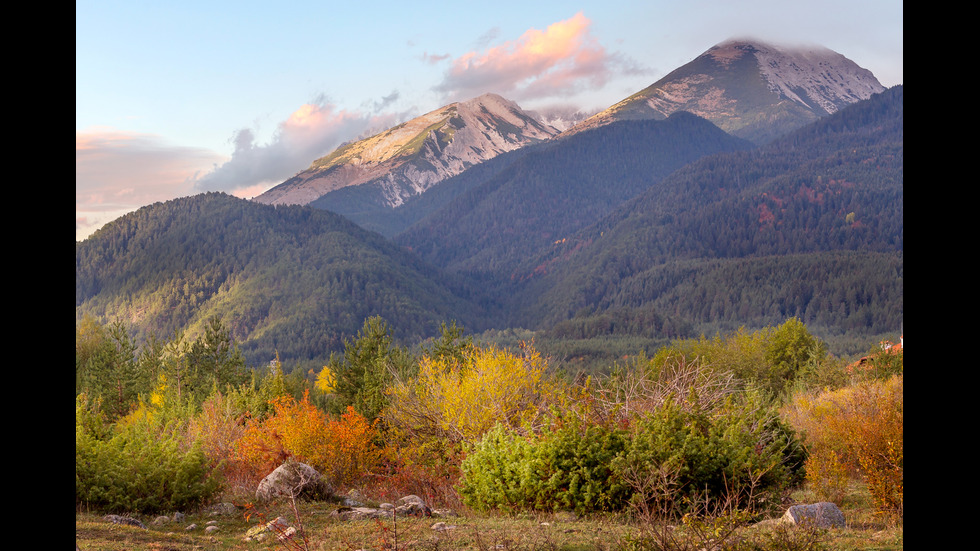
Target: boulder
407 506
292 479
412 505
821 515
129 521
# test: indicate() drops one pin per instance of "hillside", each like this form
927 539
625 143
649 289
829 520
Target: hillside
809 226
550 191
290 279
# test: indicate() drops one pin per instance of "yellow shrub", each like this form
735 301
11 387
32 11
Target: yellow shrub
326 381
827 474
860 428
462 400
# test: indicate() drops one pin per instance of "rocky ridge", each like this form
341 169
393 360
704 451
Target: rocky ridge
413 156
750 88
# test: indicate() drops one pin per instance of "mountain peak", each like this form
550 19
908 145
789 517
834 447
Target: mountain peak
811 75
409 158
751 88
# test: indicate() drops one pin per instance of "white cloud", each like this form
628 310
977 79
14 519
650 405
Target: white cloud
310 132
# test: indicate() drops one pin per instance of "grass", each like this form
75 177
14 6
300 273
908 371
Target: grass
553 532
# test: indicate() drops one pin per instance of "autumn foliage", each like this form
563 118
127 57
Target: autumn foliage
342 448
490 427
856 430
460 400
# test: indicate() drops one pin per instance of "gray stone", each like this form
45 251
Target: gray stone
262 531
362 513
821 515
354 499
292 479
410 499
406 506
117 519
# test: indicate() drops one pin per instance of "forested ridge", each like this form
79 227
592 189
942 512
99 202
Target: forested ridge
293 279
810 226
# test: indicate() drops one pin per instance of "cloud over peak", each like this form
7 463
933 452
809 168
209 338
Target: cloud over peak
311 131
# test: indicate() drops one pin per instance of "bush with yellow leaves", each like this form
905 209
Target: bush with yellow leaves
855 430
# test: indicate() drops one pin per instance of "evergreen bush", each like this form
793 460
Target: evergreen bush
567 468
741 453
138 467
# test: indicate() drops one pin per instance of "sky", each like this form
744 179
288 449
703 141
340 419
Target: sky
182 97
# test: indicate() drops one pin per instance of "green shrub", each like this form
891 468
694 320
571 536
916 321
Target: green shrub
138 467
742 455
567 468
770 359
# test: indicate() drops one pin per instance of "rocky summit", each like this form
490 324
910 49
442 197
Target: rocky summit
409 158
751 89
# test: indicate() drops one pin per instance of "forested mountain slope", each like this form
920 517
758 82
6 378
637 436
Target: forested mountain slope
557 188
809 226
290 279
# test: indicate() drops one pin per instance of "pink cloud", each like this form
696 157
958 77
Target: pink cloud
117 172
558 61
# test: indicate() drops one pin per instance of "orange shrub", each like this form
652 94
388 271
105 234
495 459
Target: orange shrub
341 449
354 452
859 428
